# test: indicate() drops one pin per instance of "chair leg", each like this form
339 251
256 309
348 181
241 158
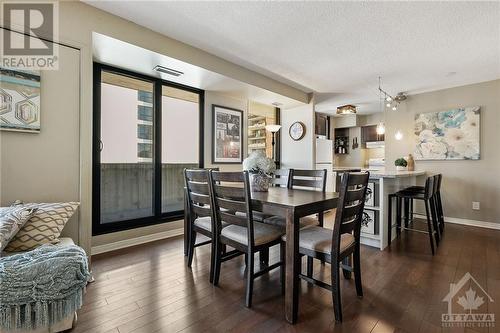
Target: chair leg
218 262
398 215
440 212
264 256
212 260
337 305
435 222
429 226
282 268
357 271
310 266
192 242
411 211
389 221
321 218
407 211
347 273
249 290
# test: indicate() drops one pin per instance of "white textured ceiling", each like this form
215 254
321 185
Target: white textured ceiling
337 49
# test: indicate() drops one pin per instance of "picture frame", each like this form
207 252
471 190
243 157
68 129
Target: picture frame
369 222
227 135
20 107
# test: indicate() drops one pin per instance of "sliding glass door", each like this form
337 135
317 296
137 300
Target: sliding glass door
146 131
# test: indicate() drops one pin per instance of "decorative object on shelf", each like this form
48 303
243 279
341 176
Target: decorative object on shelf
261 169
346 109
400 164
297 130
398 136
390 101
355 143
227 139
368 222
20 100
448 135
273 129
411 163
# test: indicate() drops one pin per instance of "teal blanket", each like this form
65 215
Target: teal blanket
41 287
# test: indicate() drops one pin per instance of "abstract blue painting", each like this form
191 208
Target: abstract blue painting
448 135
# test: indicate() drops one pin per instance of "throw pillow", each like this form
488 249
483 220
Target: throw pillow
45 225
12 219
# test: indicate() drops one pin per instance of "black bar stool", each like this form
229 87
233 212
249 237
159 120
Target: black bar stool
407 195
437 202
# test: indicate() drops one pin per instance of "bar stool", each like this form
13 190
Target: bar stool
437 204
408 196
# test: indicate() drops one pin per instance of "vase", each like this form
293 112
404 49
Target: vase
259 182
411 163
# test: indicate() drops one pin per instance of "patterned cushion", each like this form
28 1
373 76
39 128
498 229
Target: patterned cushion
44 227
12 220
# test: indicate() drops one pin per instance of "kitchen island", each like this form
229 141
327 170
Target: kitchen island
381 184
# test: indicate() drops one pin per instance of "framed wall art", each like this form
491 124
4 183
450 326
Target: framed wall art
227 136
19 100
448 135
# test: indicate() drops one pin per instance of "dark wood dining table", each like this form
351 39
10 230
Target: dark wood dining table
292 205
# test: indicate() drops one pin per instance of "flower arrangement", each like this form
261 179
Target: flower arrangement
258 163
260 168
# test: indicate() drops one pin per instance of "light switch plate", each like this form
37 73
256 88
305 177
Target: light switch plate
476 205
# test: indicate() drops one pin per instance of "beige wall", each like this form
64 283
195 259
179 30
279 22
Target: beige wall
77 21
464 181
44 167
298 154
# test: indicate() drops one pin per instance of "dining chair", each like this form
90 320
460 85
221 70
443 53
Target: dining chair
200 213
311 180
334 246
231 193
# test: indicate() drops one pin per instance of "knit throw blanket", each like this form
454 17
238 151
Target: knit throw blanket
41 287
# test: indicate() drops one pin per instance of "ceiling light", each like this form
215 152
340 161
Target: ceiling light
346 109
388 105
166 70
388 98
398 136
394 108
380 129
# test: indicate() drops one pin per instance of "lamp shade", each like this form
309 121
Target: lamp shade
273 128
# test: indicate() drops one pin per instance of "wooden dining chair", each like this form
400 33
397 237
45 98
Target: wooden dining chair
231 193
334 246
200 213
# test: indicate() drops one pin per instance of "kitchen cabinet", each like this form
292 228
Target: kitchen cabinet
322 125
369 134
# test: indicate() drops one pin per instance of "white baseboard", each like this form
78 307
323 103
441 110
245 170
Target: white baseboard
136 241
472 223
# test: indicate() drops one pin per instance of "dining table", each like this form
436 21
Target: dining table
292 204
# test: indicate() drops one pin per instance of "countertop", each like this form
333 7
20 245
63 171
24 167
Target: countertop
381 172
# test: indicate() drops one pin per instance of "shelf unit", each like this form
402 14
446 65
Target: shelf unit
257 136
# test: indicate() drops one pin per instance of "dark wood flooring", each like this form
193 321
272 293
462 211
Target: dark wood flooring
148 288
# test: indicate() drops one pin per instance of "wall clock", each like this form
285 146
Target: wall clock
297 130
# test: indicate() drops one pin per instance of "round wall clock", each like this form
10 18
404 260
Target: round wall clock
297 130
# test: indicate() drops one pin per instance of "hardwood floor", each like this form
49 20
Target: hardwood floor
148 288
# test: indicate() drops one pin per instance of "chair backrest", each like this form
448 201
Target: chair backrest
198 193
231 194
439 180
281 178
429 187
350 207
308 179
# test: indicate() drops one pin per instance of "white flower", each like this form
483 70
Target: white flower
257 162
426 135
433 150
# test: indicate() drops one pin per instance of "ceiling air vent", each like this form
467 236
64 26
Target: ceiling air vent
167 70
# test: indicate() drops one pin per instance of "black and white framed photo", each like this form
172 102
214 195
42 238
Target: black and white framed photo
370 195
227 135
368 223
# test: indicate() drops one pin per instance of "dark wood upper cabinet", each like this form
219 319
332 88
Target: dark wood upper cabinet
322 126
369 134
